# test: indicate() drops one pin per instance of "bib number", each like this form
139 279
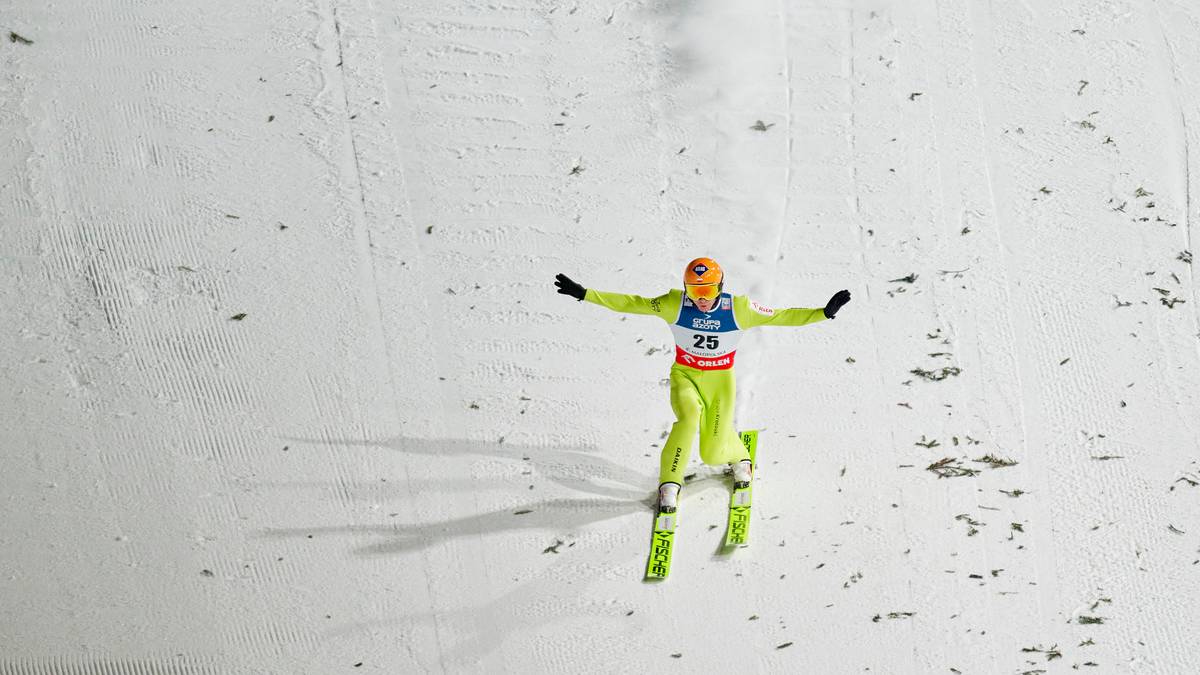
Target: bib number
705 341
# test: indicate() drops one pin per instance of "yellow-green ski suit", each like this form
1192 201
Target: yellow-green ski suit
702 379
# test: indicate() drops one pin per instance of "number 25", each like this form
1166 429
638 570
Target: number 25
705 341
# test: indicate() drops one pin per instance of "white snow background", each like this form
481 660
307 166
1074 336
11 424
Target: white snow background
285 386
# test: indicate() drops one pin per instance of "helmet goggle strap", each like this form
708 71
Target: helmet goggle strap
703 291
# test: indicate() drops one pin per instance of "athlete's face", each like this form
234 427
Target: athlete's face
705 304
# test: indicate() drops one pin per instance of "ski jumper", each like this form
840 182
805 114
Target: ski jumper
702 380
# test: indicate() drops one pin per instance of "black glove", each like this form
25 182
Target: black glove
835 303
568 287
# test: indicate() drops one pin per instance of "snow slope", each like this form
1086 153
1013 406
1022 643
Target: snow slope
287 388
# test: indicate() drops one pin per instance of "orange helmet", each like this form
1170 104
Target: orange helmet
703 278
703 271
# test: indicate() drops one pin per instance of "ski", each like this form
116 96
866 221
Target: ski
662 541
737 531
661 544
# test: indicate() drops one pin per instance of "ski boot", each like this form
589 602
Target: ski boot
743 473
668 497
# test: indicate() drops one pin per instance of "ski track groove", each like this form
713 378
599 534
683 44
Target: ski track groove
960 185
1177 95
441 361
165 665
981 43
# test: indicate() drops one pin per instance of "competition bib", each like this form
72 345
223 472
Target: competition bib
706 341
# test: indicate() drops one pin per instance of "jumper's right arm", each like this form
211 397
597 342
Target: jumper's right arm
632 304
621 302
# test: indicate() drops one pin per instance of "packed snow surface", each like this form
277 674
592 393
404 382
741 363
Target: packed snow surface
286 387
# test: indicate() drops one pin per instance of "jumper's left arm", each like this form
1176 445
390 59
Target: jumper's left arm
750 314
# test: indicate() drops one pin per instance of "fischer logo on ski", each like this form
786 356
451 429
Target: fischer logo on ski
737 531
739 518
661 544
660 555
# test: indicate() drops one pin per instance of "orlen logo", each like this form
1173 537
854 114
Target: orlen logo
715 363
